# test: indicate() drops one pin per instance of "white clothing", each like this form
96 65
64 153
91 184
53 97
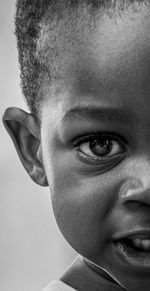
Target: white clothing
58 286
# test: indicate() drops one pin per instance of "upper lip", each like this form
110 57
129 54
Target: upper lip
132 234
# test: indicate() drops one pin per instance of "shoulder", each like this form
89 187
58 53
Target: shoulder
58 286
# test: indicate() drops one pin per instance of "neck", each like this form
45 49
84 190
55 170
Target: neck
82 275
102 272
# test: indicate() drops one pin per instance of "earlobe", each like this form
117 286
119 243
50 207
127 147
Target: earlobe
25 134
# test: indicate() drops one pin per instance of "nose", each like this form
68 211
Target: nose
135 190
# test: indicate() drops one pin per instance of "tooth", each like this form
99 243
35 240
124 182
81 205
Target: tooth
137 242
142 243
145 244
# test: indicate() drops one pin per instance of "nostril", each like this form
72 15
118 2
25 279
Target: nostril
137 198
133 205
133 192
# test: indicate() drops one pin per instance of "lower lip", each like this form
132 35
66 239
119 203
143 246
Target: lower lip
136 259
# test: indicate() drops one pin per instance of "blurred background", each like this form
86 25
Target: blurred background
32 250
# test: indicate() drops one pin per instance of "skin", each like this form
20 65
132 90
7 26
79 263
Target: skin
95 198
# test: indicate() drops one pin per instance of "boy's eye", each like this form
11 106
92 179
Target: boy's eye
99 147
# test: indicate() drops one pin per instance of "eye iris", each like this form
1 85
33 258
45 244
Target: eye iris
101 147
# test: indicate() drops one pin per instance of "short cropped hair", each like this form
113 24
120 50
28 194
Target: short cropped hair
28 19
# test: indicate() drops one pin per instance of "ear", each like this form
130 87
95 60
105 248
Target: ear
25 134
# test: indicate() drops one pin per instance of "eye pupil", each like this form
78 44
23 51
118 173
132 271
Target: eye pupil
101 147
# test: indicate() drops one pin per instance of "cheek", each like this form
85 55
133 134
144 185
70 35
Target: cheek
82 207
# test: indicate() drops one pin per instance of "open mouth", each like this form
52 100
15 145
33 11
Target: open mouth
135 251
137 244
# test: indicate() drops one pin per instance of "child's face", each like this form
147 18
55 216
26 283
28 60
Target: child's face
96 148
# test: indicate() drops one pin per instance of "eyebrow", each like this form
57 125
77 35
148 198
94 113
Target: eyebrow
103 114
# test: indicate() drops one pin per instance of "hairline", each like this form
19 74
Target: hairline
57 20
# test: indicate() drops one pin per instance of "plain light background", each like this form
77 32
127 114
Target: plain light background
32 250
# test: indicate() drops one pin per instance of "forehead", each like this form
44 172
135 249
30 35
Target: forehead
94 56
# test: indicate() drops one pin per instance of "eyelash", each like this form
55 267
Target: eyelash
112 141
